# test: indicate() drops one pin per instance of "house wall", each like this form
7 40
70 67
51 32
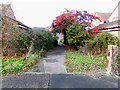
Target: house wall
119 35
115 33
0 38
6 10
114 16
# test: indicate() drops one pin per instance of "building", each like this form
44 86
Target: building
103 18
113 26
110 22
8 24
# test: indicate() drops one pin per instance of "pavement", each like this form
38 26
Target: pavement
50 73
50 81
54 61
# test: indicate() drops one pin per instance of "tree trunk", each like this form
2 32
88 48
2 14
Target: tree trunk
65 40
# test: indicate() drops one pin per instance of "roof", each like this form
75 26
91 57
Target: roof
110 24
6 10
103 16
20 24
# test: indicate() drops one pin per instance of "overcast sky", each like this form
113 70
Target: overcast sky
41 13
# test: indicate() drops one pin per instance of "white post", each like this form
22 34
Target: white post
111 59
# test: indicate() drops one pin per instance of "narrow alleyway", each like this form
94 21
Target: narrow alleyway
54 61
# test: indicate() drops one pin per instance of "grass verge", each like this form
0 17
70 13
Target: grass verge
76 63
15 65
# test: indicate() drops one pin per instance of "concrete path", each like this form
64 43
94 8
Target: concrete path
54 61
38 80
83 81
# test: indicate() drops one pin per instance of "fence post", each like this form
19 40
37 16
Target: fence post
111 59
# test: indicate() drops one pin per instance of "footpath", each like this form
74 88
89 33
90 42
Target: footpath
50 73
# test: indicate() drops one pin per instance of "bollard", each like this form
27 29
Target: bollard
111 59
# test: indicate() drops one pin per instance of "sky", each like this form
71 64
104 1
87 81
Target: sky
41 13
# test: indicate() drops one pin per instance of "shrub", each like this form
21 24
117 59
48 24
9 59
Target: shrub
46 42
62 40
101 42
77 35
40 39
22 40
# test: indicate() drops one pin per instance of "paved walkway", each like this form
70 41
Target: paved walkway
54 61
38 80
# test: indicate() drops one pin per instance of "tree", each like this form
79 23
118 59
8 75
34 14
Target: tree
64 20
77 36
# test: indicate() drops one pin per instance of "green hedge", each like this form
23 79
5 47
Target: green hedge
100 43
41 39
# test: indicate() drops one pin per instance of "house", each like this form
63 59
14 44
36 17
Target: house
7 12
103 17
112 24
8 23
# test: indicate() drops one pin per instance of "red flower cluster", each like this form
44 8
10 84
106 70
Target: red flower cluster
64 20
94 30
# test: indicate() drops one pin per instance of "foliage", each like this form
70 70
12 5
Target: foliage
40 39
118 59
101 42
93 32
62 40
45 41
14 65
64 20
77 35
22 40
76 63
8 29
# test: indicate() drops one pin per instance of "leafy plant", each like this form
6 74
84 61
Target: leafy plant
14 65
62 40
40 39
64 20
101 42
77 35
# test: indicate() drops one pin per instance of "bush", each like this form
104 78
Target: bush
62 40
101 42
22 40
77 35
47 41
40 39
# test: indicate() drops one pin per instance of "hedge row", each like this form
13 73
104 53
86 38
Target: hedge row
40 39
